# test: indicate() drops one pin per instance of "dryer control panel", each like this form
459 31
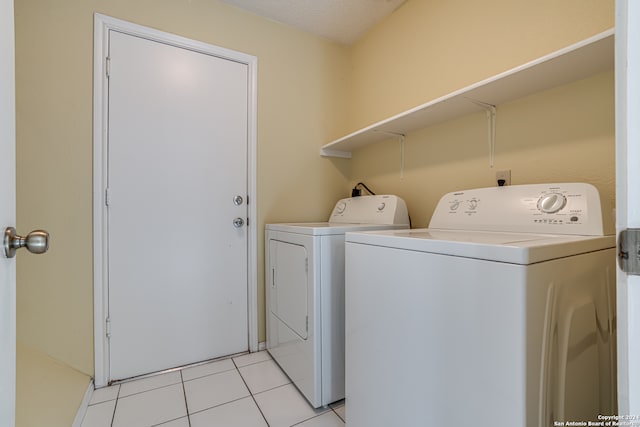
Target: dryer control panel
566 208
378 209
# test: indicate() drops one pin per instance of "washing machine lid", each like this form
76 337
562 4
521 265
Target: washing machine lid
514 248
329 228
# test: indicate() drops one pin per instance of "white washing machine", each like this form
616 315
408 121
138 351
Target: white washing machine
501 313
305 292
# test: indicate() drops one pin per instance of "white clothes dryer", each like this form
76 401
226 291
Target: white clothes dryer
305 291
500 314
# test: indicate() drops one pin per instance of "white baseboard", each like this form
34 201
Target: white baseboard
82 410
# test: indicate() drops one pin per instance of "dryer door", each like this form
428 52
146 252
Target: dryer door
289 285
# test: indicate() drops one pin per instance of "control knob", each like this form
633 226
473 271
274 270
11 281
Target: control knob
551 203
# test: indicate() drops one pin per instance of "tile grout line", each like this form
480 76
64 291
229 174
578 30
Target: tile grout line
167 422
113 415
237 368
253 363
184 393
329 408
304 421
234 368
268 389
151 389
250 393
336 412
208 375
219 405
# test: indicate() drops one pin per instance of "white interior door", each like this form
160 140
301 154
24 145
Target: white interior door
627 197
177 158
7 216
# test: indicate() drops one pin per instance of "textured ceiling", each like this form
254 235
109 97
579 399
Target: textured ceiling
343 21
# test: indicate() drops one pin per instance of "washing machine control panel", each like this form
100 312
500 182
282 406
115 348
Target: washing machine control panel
568 208
378 209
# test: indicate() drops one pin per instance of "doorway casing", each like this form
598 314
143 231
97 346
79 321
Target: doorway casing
102 25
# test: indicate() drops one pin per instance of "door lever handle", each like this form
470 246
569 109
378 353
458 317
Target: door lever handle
36 242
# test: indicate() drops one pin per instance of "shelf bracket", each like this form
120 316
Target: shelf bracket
324 152
491 125
401 137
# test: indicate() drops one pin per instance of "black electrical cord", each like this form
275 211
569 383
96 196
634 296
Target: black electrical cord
357 192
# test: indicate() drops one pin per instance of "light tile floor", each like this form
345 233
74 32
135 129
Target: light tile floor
244 391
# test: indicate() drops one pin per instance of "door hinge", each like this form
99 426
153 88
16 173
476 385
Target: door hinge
107 66
629 251
106 196
306 265
307 324
108 327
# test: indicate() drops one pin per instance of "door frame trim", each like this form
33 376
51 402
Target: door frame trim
102 25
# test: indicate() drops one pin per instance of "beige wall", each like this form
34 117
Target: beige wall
429 48
310 92
301 101
561 135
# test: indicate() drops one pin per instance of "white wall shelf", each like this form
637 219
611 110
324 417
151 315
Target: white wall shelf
586 58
